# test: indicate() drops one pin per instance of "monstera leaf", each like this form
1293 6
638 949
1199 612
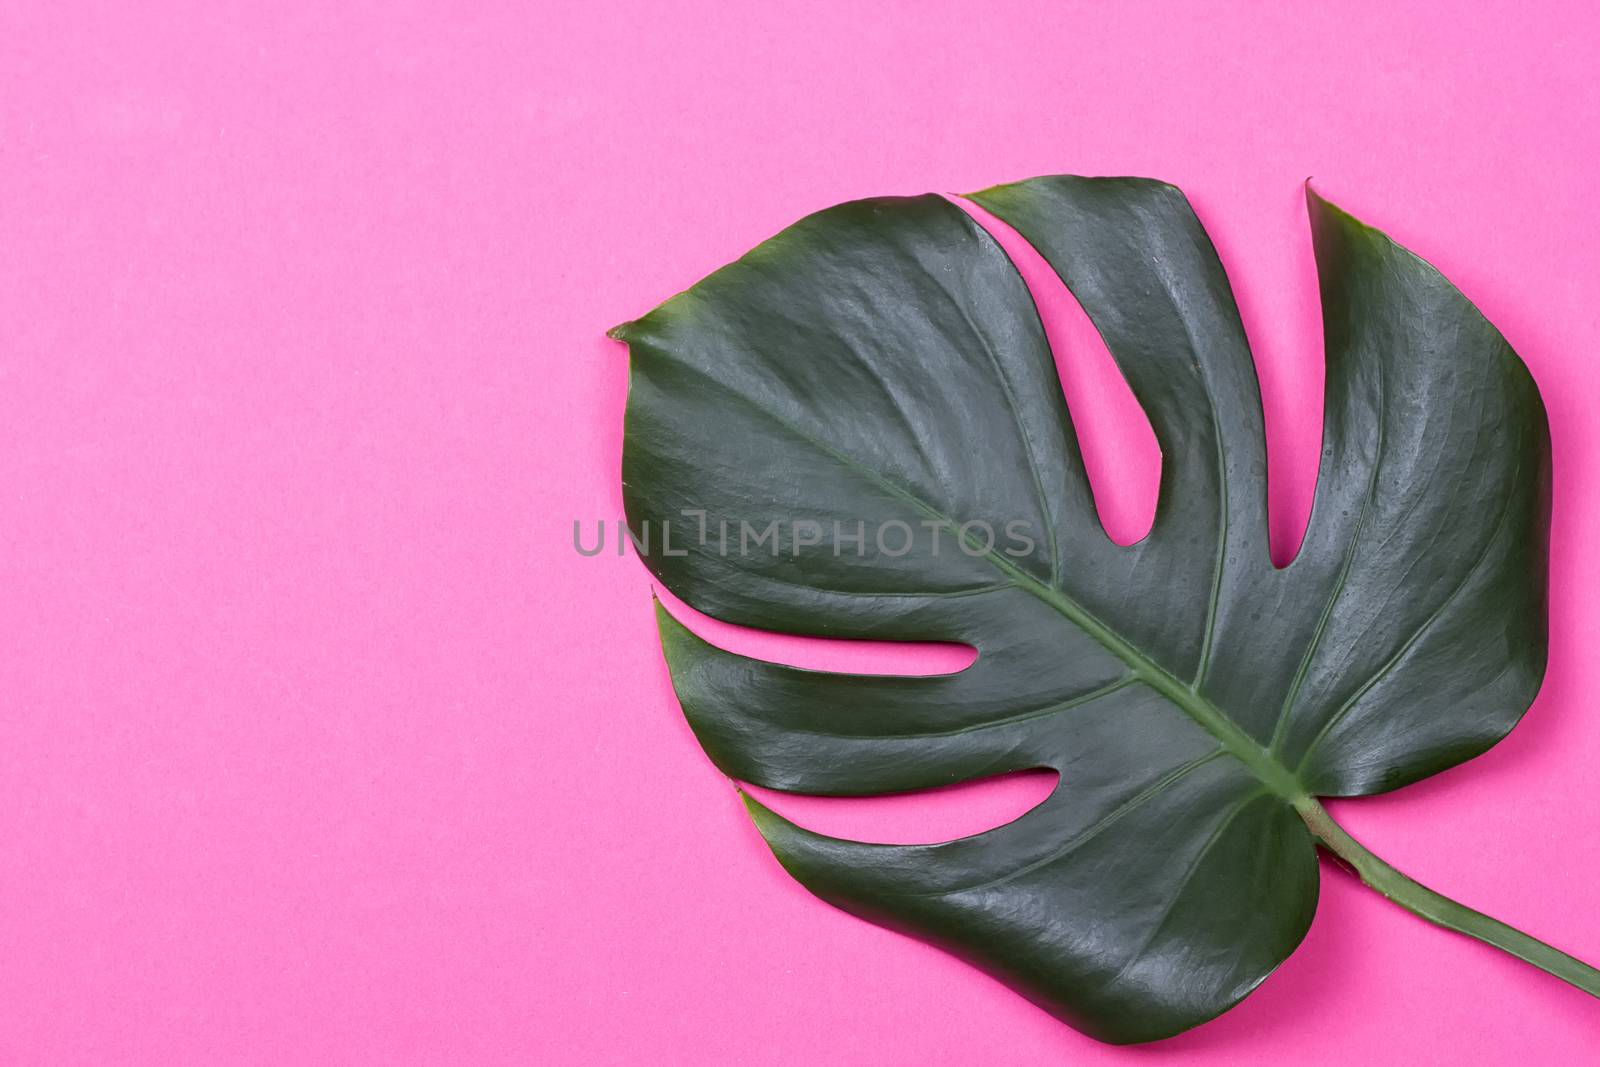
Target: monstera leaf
857 431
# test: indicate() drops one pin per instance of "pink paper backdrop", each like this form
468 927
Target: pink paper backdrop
319 743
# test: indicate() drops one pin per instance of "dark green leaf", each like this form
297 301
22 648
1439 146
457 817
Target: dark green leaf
882 362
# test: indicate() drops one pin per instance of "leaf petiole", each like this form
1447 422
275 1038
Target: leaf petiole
1441 910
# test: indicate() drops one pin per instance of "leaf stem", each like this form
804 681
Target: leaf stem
1406 892
1420 900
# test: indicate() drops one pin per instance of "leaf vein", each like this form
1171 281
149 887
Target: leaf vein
1416 635
1084 836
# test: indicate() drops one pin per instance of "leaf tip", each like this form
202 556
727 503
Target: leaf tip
990 197
665 623
681 646
767 821
1315 201
1321 207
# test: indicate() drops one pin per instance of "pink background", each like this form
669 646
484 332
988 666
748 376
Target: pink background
319 743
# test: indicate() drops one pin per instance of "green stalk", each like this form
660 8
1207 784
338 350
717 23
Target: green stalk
1406 892
1420 900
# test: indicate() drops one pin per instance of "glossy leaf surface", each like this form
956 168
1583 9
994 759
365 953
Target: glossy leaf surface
882 363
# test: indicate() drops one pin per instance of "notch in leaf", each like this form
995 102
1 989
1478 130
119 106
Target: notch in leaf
882 362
